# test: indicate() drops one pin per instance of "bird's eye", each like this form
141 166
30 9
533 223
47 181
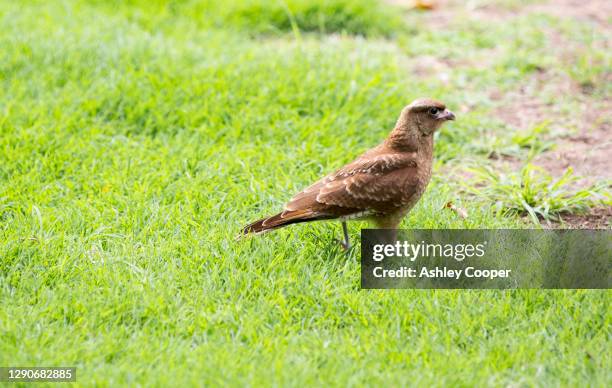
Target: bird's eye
433 111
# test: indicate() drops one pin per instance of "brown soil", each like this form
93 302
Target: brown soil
586 141
587 154
597 219
441 12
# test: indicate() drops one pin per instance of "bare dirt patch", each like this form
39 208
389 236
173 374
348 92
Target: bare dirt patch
588 154
600 218
592 10
441 13
582 137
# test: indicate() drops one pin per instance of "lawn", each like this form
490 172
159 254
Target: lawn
137 138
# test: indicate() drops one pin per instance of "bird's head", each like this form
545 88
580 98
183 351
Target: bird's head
424 115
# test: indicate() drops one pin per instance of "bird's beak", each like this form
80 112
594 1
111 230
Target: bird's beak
447 115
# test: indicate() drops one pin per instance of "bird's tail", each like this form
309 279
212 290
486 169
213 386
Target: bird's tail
282 219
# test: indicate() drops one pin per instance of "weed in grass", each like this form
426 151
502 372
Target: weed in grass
534 192
534 139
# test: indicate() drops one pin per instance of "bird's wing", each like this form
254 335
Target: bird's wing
377 184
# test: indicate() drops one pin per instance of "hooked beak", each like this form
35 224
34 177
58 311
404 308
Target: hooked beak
447 115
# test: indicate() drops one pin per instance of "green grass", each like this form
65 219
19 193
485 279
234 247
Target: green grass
135 141
260 17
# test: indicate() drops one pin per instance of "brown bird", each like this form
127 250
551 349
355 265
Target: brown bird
382 185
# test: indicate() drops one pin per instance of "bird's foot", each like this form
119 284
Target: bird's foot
346 245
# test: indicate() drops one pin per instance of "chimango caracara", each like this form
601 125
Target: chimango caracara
382 185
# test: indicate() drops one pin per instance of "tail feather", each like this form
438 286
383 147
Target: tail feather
285 218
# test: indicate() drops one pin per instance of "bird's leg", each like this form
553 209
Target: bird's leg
346 244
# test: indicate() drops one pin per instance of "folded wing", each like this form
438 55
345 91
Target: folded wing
371 185
378 185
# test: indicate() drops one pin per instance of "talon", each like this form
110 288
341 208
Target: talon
343 244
